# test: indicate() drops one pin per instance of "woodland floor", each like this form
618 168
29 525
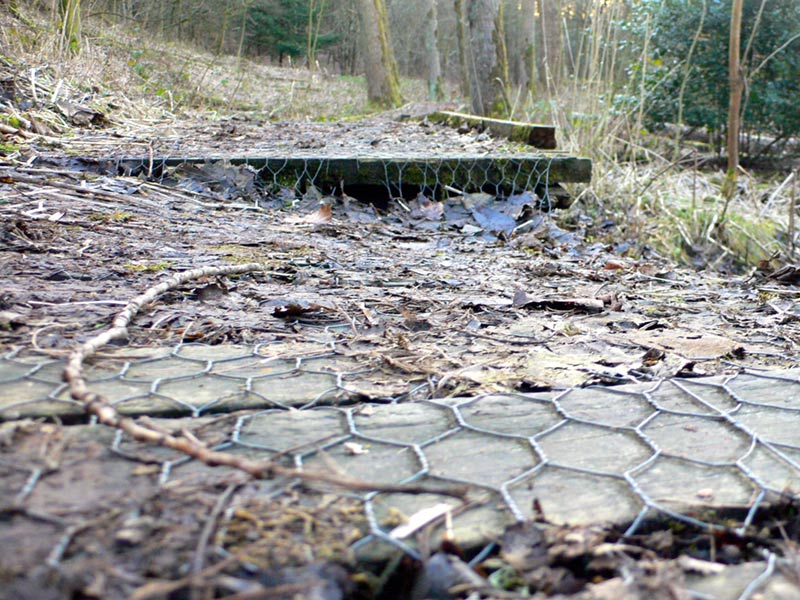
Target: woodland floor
535 306
434 292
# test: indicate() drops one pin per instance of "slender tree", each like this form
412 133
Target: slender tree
463 51
736 81
550 19
485 66
70 15
502 73
527 75
432 59
316 12
383 79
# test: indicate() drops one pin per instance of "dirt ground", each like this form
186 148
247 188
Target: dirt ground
536 307
443 295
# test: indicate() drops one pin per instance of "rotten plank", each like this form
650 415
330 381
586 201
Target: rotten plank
533 134
469 173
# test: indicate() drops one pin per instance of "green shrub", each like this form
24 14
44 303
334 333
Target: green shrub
682 71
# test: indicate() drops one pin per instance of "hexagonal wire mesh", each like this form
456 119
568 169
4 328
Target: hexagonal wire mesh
684 449
676 448
500 174
494 174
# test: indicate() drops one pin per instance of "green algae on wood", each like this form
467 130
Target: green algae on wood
468 173
533 134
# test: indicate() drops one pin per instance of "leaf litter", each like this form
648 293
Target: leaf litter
468 295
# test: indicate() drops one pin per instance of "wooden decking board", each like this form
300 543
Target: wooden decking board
467 172
533 134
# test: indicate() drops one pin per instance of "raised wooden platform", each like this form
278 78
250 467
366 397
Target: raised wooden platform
533 134
507 173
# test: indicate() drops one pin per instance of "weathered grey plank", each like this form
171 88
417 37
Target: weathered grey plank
469 173
533 134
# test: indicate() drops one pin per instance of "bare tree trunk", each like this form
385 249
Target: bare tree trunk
736 82
463 51
223 30
550 18
70 13
485 72
243 29
502 75
314 26
310 40
432 59
383 79
528 72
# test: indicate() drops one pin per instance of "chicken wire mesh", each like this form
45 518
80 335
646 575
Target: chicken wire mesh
497 174
688 450
710 453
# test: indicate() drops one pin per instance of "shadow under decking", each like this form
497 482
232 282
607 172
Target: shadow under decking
397 176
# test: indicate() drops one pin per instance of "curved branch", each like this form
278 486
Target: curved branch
98 406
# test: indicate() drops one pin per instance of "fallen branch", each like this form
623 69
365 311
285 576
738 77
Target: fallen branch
98 406
127 199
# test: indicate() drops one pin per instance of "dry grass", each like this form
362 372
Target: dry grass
152 78
678 212
654 192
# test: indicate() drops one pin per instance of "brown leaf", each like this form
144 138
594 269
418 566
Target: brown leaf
686 343
285 308
614 265
524 547
323 215
427 209
652 356
584 305
414 323
211 292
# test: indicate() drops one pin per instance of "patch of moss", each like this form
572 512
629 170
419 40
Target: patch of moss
117 216
7 148
697 237
152 268
13 121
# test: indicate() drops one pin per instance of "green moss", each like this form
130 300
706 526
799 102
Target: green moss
13 121
235 254
741 240
117 216
152 268
7 148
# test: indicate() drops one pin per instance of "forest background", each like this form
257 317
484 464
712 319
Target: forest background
644 87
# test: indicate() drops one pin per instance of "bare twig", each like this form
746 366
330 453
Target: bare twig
57 553
37 332
98 193
98 406
205 535
160 589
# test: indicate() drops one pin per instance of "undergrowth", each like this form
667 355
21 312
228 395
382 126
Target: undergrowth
152 77
650 194
681 215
